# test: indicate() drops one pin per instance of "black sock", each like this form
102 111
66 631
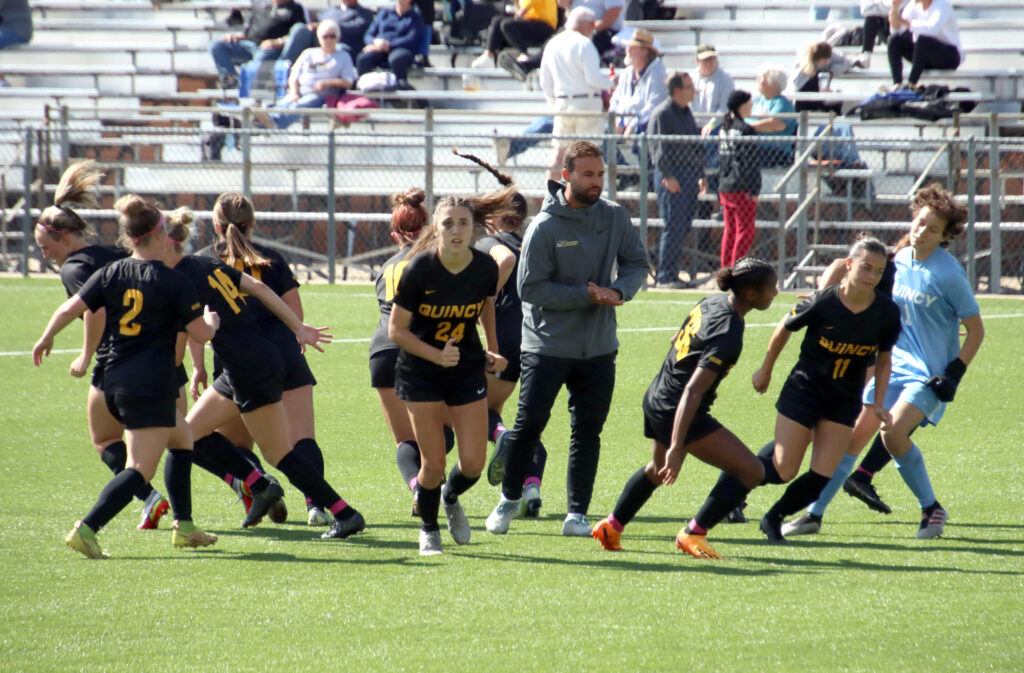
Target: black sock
430 502
930 509
766 455
449 439
407 455
310 450
301 474
635 494
876 458
114 497
723 498
215 451
540 460
458 484
804 490
115 456
178 478
251 458
493 421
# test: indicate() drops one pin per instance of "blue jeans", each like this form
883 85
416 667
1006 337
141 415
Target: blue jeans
540 125
226 55
10 39
398 61
821 13
310 100
677 212
844 150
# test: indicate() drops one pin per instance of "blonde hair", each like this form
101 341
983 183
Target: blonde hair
179 226
77 185
494 205
233 218
812 52
139 218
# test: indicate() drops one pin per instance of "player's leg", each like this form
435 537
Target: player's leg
911 466
638 490
298 405
470 424
428 422
178 478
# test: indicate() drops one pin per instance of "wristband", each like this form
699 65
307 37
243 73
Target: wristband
956 369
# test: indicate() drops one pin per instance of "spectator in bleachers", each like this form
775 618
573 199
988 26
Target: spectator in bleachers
15 26
739 179
641 86
265 38
534 23
353 18
317 73
391 40
572 81
926 34
713 84
814 71
820 12
876 24
771 80
678 174
607 20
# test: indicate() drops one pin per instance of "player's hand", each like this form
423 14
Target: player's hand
945 384
211 318
80 366
198 379
883 416
313 336
671 184
495 363
673 463
42 349
604 295
761 379
449 354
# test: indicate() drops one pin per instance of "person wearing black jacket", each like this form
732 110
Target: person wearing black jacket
739 180
265 38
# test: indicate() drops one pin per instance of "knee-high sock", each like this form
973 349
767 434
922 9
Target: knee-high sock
458 484
251 458
218 455
635 494
115 456
313 486
766 456
494 422
804 490
114 497
535 471
407 455
430 502
877 457
726 495
178 478
844 470
310 450
911 467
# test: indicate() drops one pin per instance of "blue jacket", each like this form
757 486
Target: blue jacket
399 31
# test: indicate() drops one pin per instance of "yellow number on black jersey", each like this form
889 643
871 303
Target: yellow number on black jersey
687 332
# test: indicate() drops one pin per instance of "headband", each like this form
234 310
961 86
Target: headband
158 227
70 213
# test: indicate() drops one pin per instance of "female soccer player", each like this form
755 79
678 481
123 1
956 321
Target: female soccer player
934 298
446 287
61 235
234 220
849 327
250 383
677 409
145 302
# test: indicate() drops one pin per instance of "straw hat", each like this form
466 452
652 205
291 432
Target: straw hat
642 38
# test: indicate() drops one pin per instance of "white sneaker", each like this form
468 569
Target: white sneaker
805 525
931 526
576 525
458 524
430 543
864 60
317 517
482 61
498 521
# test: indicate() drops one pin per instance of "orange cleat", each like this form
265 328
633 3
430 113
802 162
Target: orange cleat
606 534
696 545
152 512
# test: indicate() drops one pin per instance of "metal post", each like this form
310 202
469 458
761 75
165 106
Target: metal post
428 157
26 213
246 138
972 244
332 226
801 229
642 206
65 141
995 190
611 158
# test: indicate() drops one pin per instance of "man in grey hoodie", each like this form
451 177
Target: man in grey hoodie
569 296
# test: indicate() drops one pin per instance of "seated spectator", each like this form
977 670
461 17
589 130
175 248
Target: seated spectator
319 72
534 23
876 25
263 39
641 86
713 85
15 25
353 18
391 40
771 80
813 73
926 34
607 20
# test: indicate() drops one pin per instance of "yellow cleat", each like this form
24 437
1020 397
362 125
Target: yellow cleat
606 534
187 534
696 545
83 540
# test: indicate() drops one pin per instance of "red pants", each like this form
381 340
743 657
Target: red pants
738 213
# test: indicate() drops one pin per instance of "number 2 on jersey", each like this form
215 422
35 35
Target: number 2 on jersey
133 300
687 332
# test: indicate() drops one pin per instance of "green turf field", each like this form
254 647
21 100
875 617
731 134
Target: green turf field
862 596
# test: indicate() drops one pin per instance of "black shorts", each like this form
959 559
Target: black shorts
249 395
180 377
136 412
509 341
807 407
296 370
97 376
452 391
382 368
659 427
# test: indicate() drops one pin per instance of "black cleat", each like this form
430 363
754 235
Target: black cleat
772 528
278 512
262 502
864 490
342 528
736 514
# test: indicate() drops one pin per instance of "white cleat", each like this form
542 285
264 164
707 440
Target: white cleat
499 520
576 525
430 543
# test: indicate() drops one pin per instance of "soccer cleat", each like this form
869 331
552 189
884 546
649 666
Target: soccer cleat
317 517
736 514
152 511
416 502
262 501
864 490
498 521
696 546
531 502
342 528
576 525
772 528
458 524
605 533
932 524
808 524
83 540
187 534
245 495
278 512
496 468
430 543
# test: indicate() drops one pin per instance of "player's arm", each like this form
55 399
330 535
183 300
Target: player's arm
94 322
763 376
399 332
700 382
946 383
495 361
199 376
294 302
883 368
205 326
833 274
306 334
72 308
506 260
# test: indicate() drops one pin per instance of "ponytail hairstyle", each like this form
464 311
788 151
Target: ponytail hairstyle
233 218
748 273
518 200
77 186
139 218
408 216
179 227
736 99
494 205
866 243
943 204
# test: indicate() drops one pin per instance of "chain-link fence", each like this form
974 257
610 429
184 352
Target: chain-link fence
322 194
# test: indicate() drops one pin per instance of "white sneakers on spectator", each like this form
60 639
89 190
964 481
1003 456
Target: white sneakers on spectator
864 60
484 60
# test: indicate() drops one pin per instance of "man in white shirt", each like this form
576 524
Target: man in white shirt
926 34
608 17
572 81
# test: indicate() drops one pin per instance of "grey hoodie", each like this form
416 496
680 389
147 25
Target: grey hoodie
564 249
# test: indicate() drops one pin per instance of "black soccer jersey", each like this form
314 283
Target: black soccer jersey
446 306
840 345
387 283
888 278
508 307
79 267
711 337
145 302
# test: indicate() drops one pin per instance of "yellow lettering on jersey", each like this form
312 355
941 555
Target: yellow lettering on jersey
133 300
842 348
687 332
221 282
392 273
439 311
254 272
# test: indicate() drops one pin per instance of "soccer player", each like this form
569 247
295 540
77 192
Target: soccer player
145 302
447 287
849 327
677 409
934 298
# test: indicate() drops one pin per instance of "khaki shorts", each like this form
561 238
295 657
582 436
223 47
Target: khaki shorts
567 124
